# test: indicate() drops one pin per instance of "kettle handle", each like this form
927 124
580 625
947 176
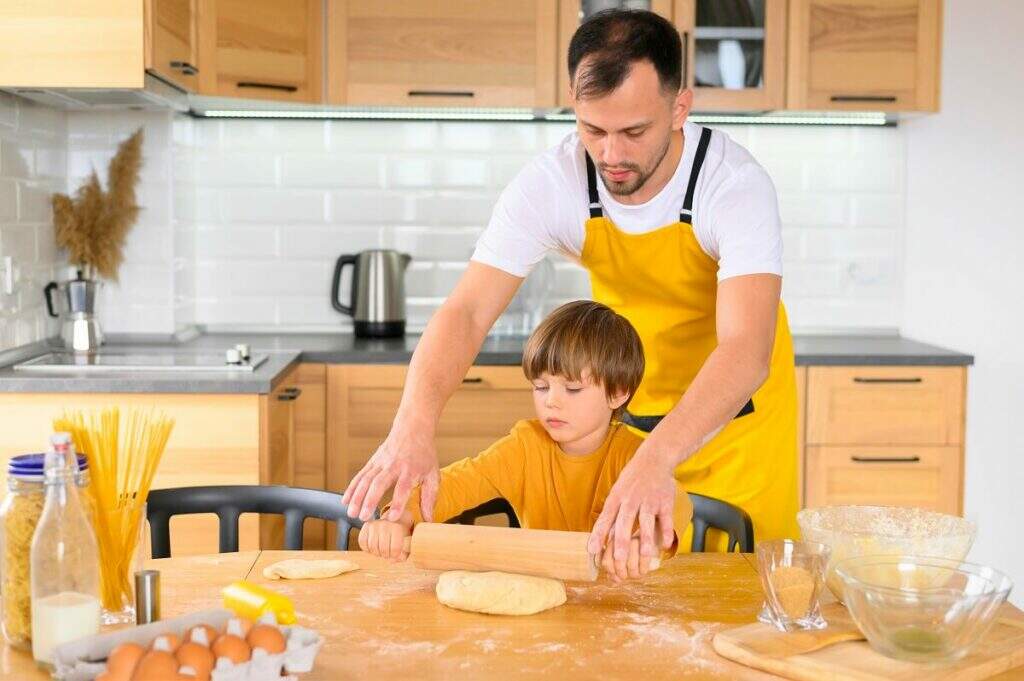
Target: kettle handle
48 294
336 284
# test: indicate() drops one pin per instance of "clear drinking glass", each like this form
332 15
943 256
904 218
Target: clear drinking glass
122 535
792 575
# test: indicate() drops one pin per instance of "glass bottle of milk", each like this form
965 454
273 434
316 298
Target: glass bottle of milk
65 563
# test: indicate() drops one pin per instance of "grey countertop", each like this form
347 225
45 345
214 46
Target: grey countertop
286 350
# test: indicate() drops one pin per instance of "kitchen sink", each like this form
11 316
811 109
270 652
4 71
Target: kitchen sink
70 362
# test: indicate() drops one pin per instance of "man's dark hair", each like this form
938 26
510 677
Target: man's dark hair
613 40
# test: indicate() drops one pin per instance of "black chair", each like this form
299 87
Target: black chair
721 515
493 507
230 501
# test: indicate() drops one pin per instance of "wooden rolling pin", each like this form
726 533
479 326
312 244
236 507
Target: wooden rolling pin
543 553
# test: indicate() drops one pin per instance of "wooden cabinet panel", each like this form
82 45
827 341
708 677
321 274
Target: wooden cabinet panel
928 477
442 52
309 414
362 401
569 17
277 450
71 43
885 405
763 47
262 49
215 441
865 54
171 41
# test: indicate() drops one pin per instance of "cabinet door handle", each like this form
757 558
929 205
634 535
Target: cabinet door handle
441 93
863 98
475 379
909 379
289 395
185 67
267 86
885 459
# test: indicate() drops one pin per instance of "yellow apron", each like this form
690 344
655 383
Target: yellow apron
666 285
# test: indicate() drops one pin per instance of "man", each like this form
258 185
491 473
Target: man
679 230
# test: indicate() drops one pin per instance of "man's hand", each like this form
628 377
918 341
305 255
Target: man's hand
636 565
385 538
645 491
405 459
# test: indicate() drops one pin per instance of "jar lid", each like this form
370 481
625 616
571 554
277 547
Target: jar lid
31 465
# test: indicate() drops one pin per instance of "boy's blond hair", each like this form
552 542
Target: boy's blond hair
587 336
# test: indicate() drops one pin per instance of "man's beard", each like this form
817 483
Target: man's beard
642 175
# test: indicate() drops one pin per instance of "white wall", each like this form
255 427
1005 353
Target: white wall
964 244
33 164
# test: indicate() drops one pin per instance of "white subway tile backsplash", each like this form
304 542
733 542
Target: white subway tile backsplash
235 169
464 172
309 311
237 310
430 243
338 169
815 280
814 210
407 172
254 278
273 205
8 199
306 242
8 116
571 280
370 207
878 210
236 242
17 156
382 136
454 208
34 203
848 244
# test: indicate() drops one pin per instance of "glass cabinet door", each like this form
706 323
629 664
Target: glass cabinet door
734 53
572 12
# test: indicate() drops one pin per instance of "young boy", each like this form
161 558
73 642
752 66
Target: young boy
585 362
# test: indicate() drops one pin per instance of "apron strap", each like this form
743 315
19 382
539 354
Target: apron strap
686 214
595 201
648 423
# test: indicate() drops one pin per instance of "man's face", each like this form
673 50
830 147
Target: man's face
627 132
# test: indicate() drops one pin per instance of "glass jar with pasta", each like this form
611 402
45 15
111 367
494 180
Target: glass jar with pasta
19 515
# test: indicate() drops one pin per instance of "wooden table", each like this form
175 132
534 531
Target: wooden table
383 621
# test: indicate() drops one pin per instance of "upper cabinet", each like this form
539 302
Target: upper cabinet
734 53
488 53
262 49
572 12
171 41
880 55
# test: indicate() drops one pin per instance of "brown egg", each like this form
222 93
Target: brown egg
231 647
239 626
156 665
267 637
211 633
122 660
166 642
197 656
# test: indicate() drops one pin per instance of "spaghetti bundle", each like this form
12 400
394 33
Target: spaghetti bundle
123 456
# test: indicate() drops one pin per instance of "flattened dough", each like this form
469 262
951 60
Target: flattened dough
499 593
300 568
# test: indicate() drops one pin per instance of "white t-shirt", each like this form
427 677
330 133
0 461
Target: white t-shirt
545 208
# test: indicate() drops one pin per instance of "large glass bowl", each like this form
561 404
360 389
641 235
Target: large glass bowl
919 608
852 531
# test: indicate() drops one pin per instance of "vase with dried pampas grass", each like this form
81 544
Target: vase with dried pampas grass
94 224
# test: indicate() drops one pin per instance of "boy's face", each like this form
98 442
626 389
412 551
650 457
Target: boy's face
571 410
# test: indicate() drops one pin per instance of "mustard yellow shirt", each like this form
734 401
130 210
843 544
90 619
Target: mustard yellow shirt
547 488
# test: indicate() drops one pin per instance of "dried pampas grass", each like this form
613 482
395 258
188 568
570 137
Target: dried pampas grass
94 224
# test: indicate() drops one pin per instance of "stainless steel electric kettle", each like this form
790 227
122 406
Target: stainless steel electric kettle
377 303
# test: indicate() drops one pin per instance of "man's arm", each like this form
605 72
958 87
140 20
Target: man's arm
450 343
746 315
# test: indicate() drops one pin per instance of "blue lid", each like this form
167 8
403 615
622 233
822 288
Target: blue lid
32 464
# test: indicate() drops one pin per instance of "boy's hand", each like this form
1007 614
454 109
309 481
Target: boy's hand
634 567
385 539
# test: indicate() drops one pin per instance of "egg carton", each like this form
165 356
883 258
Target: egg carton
84 659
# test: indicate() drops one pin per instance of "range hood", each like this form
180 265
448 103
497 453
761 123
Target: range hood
158 94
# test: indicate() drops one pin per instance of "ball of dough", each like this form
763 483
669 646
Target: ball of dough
300 568
499 593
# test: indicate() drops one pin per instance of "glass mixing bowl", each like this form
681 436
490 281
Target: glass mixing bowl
922 609
852 531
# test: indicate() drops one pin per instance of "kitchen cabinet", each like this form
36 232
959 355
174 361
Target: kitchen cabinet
71 43
262 49
171 40
734 53
885 435
477 53
570 14
226 439
864 54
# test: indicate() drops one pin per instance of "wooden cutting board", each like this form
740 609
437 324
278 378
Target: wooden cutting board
763 647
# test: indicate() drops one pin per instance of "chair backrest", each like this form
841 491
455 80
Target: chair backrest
230 501
709 512
493 507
